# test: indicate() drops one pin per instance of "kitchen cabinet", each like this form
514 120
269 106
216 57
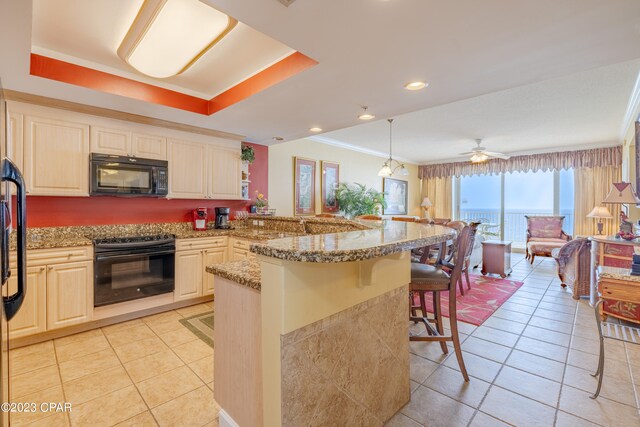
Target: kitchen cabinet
15 147
32 316
187 170
239 249
56 157
122 142
69 294
225 173
192 257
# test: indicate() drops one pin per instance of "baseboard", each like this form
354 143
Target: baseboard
225 420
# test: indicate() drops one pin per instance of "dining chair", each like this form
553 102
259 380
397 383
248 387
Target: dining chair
403 218
325 215
431 279
371 217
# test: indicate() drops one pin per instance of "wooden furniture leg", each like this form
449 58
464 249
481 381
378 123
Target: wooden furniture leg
437 311
453 320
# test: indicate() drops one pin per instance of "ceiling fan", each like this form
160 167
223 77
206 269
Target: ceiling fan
479 154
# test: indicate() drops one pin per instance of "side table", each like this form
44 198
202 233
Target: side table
496 257
620 292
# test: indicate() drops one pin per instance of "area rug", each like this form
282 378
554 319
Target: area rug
486 295
201 325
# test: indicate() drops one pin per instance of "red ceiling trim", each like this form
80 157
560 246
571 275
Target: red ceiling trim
66 72
281 70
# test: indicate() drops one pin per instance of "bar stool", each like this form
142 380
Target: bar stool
427 278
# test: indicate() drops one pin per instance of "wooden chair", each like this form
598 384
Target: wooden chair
440 221
427 278
403 218
371 217
325 215
544 234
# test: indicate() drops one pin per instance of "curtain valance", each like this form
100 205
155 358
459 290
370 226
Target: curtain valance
596 157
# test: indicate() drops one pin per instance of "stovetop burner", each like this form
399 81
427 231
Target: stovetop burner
133 239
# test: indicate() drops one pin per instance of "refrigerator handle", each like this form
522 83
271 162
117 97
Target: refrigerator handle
11 173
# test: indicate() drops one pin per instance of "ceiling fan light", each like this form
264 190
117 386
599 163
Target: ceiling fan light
479 158
168 36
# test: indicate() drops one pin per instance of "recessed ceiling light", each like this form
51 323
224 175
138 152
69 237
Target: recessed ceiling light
365 115
416 85
278 138
315 129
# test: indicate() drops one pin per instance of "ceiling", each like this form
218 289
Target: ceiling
583 109
89 33
368 49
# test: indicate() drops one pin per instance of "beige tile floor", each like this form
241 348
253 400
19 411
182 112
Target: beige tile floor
530 365
145 372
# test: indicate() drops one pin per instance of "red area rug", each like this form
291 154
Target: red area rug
486 295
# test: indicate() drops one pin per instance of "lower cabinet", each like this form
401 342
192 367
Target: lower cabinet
57 295
69 296
192 280
239 249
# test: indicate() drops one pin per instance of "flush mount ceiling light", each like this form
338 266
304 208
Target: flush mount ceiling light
315 129
169 36
416 85
278 138
365 115
387 169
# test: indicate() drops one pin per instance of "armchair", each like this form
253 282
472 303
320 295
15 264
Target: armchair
544 234
574 266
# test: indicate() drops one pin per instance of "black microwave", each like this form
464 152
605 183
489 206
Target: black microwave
128 176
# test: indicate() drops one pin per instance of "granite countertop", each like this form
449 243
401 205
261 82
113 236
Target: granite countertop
617 273
245 272
384 238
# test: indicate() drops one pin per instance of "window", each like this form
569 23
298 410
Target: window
501 202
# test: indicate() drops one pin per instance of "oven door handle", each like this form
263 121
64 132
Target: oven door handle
135 255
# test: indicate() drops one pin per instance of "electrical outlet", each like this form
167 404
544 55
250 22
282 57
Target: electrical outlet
255 222
260 223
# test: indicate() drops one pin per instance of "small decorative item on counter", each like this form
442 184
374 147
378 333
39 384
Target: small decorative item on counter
262 204
626 228
247 154
253 209
635 266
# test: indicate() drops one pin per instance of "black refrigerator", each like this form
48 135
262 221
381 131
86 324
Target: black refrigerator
13 203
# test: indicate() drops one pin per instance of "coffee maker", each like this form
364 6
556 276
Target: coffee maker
199 218
222 218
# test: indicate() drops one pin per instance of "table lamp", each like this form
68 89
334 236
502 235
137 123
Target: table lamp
622 193
426 204
600 212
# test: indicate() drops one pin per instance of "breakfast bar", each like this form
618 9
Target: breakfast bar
314 312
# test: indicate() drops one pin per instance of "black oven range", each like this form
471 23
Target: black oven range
128 268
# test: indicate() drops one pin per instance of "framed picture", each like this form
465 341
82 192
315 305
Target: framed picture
396 195
328 184
304 181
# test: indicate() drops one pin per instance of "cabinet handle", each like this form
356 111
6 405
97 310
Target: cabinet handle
50 268
41 269
69 256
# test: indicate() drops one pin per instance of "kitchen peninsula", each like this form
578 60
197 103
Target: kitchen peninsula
315 310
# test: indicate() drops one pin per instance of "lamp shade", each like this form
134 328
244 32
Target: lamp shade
621 193
426 203
600 212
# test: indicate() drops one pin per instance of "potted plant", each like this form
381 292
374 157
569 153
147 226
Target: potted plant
356 199
261 204
247 155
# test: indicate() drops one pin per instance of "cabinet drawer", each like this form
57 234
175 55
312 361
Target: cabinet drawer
242 244
620 292
56 256
208 242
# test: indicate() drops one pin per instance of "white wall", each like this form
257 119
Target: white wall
354 167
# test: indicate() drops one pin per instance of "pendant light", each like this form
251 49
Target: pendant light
387 168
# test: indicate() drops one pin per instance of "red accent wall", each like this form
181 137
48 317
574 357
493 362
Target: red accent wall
44 211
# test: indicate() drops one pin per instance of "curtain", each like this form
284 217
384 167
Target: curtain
440 192
593 158
591 186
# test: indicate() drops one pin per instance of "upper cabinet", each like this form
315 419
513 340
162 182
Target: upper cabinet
224 173
56 157
187 169
122 142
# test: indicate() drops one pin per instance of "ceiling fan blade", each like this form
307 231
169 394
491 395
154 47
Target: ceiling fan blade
497 155
468 153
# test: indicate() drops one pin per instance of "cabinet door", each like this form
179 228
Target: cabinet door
149 146
225 173
188 275
56 157
239 254
69 294
32 316
187 170
15 142
211 256
110 141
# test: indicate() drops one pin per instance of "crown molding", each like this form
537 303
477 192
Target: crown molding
633 109
337 143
